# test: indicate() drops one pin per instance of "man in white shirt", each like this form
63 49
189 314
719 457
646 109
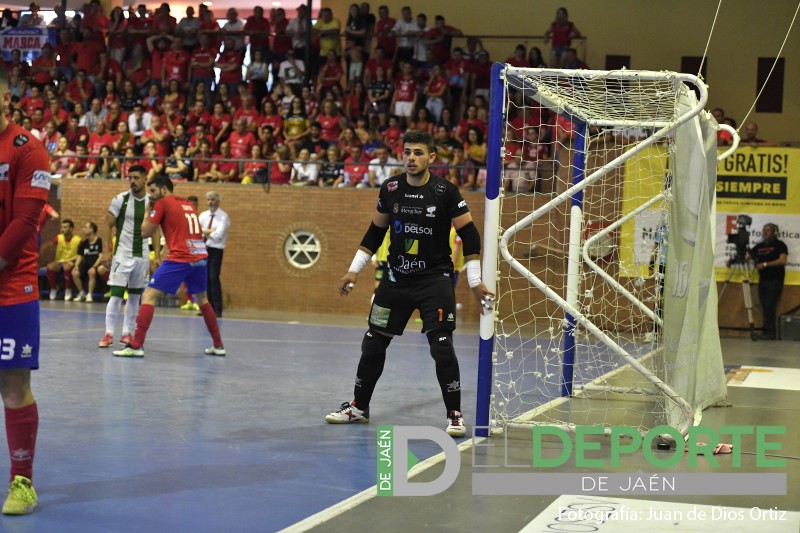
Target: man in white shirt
406 29
234 24
139 121
292 71
215 223
382 167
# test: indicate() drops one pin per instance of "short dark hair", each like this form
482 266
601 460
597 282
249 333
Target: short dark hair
137 168
93 226
420 137
162 181
68 222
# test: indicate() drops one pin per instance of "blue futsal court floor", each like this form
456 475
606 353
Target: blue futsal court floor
182 441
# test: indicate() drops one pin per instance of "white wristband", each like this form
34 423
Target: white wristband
359 262
473 273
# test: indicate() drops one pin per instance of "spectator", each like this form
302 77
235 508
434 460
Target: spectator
241 140
257 29
79 168
436 91
379 96
420 41
475 147
440 39
570 60
462 172
198 115
122 139
561 32
356 169
356 102
535 58
382 167
223 170
386 38
258 73
423 121
331 169
201 63
751 135
304 171
61 158
66 244
283 40
78 90
159 134
393 135
296 126
56 113
327 29
138 70
292 71
355 29
444 144
405 94
230 64
33 19
724 138
254 165
314 143
518 59
297 29
280 170
105 166
330 74
457 71
43 67
406 31
331 121
187 30
177 166
117 38
49 136
75 133
95 115
220 122
202 163
346 140
175 65
248 112
98 139
232 30
209 26
470 120
8 20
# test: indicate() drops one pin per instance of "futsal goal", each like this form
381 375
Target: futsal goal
598 240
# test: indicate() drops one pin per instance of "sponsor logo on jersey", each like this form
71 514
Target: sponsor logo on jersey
440 188
412 246
396 208
398 226
462 203
408 266
411 210
417 196
417 230
41 179
3 171
391 186
431 211
27 351
21 139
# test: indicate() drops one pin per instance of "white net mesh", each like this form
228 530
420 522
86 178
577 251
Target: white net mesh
542 128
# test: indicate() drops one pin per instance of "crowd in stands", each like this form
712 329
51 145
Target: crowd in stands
142 88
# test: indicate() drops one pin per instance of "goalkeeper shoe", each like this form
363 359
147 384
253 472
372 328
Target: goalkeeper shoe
126 339
216 350
348 413
455 424
129 351
106 341
188 306
21 497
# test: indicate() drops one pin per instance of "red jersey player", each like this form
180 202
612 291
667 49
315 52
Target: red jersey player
24 187
186 263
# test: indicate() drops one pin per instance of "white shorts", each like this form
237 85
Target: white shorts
131 272
404 109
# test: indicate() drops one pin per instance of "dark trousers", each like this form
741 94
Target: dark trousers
214 285
769 293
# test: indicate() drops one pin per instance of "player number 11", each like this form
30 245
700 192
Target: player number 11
194 224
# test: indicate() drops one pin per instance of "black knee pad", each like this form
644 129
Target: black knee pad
374 344
441 342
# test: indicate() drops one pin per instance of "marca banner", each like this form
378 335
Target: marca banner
28 41
757 185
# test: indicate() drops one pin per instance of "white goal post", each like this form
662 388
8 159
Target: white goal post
598 241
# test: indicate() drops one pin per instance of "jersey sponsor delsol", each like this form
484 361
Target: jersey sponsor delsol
130 213
419 224
24 173
181 228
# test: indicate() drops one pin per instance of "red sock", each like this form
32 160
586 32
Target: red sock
51 277
68 279
21 427
211 323
143 320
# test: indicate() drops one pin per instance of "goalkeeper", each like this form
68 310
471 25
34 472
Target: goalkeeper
418 208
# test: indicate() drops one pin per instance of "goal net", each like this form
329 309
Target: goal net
598 240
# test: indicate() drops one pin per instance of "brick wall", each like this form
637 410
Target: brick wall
257 275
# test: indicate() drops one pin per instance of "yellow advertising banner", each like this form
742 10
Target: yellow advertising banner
755 186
